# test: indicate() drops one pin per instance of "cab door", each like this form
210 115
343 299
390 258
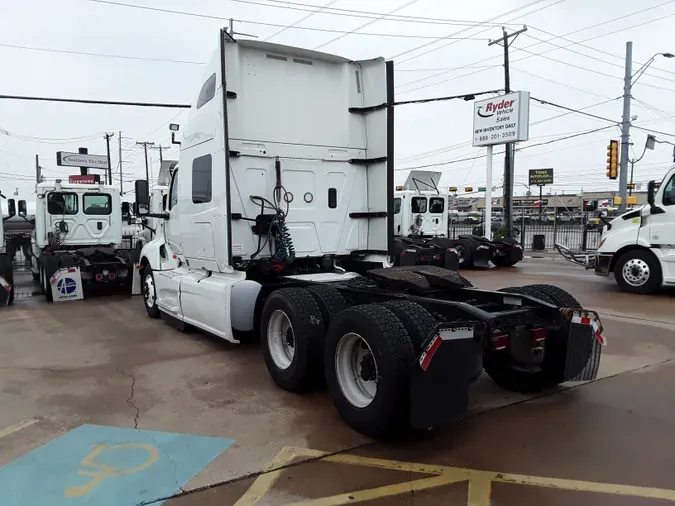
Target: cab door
662 228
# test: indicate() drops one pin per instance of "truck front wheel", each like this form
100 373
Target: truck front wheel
150 293
638 271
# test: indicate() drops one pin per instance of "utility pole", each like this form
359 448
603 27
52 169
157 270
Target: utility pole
508 151
147 169
119 154
160 148
625 127
107 147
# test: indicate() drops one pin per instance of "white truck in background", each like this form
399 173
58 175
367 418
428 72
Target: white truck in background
638 247
280 226
79 224
6 269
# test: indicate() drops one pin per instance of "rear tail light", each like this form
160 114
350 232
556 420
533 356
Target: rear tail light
111 276
99 277
539 334
499 341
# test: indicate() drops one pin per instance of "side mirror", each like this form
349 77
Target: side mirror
23 210
11 207
654 209
142 196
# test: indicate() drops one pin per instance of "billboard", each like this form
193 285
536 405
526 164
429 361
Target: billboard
66 159
540 177
502 119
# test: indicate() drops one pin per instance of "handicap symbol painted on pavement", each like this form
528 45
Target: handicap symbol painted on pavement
94 465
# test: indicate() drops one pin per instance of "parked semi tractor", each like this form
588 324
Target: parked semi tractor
6 270
18 232
422 234
79 224
285 192
637 247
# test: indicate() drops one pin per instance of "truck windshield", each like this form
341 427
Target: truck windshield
62 203
97 203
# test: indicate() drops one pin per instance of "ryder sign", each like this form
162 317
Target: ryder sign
501 120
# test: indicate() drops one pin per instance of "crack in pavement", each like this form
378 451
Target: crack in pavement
130 402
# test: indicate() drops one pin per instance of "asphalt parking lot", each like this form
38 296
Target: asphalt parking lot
104 406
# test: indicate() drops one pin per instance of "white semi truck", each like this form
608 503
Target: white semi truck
79 224
6 269
638 247
284 195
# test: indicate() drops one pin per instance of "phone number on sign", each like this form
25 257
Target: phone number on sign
493 137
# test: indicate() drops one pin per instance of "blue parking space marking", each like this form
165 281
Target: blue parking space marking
94 465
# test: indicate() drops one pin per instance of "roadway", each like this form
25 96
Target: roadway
102 405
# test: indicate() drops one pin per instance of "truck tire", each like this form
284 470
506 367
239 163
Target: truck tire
7 273
149 291
368 358
418 322
292 335
552 372
50 264
330 301
638 271
466 248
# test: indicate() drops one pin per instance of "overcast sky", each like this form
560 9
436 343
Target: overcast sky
580 65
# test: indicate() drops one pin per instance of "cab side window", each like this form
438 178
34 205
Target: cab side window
202 177
208 91
669 193
436 205
397 205
173 197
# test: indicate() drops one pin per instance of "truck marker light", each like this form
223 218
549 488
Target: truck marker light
71 270
428 354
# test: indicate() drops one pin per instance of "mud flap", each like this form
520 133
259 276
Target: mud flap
5 292
66 284
481 257
584 346
136 280
440 377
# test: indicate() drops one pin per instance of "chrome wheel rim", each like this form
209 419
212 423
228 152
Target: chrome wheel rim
149 291
636 272
281 339
356 370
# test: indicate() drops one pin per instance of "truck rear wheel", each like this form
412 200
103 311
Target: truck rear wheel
149 291
466 248
553 370
292 334
418 322
330 301
638 271
368 357
7 274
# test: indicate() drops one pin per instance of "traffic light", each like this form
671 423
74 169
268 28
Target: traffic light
613 159
468 189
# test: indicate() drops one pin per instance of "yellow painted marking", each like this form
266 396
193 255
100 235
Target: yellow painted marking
380 492
267 480
103 471
17 426
480 488
480 482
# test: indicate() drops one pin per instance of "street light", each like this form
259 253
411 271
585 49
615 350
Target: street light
629 80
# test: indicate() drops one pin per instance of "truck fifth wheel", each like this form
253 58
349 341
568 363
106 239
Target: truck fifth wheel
280 226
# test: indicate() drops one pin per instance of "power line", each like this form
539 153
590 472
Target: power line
304 18
352 13
274 25
650 130
492 58
572 110
98 102
368 23
104 55
476 25
558 83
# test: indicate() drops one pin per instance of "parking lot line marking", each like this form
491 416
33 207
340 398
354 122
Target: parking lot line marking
380 492
479 482
480 488
266 481
586 486
17 426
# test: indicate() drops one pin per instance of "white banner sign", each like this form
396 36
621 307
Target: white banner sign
66 159
502 119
